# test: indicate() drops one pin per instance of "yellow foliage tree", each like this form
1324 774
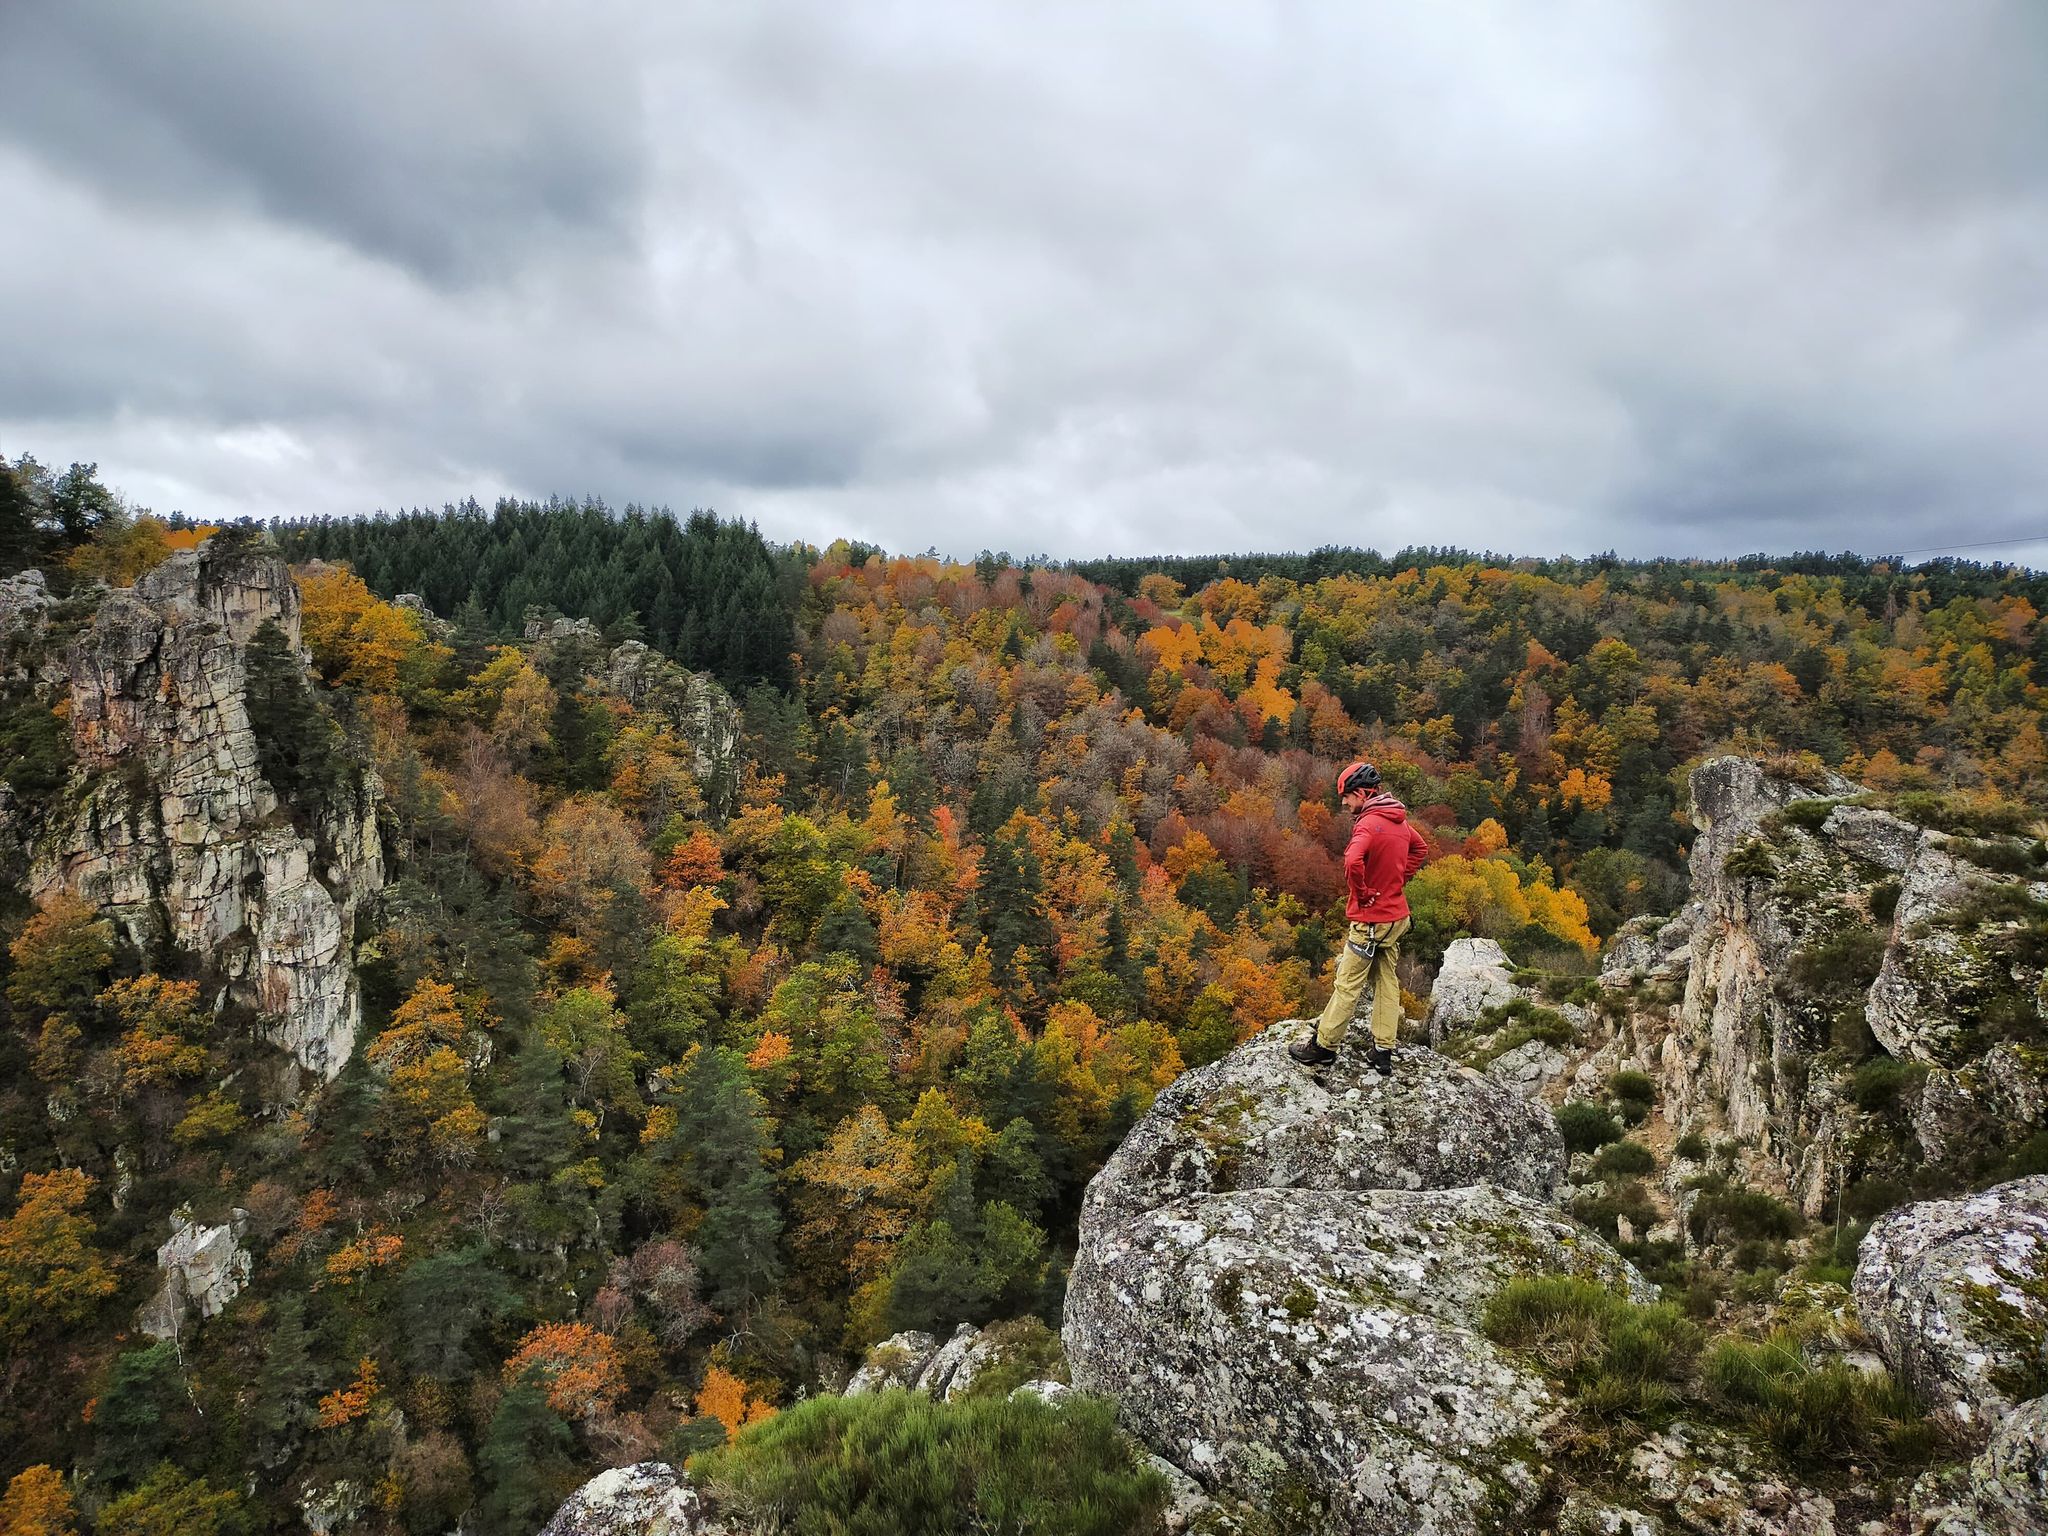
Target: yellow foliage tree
37 1504
49 1269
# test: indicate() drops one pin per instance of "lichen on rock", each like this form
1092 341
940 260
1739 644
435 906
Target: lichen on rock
1955 1292
1256 1120
648 1499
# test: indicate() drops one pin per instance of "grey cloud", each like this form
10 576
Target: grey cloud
448 139
1140 278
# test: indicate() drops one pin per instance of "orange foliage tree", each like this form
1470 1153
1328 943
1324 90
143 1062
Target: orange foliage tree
576 1365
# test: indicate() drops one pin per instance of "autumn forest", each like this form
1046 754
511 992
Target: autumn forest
774 940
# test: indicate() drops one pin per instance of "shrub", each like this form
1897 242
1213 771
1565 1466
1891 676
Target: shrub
35 747
2029 1157
1807 815
1625 1159
1625 1197
899 1464
1752 861
1838 964
2001 857
1634 1094
1586 1126
1868 1199
1726 1213
1884 900
1692 1146
1818 1415
1883 1083
1510 1026
1952 813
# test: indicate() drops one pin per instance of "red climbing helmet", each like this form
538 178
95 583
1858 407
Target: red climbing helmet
1360 775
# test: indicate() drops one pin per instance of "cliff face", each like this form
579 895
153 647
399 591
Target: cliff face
168 826
1820 928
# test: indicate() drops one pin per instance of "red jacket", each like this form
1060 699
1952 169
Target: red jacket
1383 853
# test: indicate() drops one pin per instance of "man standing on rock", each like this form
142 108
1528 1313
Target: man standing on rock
1384 852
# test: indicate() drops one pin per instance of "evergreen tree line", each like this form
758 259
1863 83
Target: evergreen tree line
706 591
1871 583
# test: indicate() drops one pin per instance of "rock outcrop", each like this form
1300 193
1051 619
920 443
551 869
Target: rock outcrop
204 1269
1482 1016
1815 917
1281 1276
168 826
1256 1120
650 1499
1475 975
1955 1292
701 712
1321 1346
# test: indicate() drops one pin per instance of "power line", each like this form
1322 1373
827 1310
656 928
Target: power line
1943 549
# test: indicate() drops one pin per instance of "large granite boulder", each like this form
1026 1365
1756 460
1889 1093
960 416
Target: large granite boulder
1474 976
1257 1120
2003 1492
1955 1292
1281 1277
649 1499
1318 1349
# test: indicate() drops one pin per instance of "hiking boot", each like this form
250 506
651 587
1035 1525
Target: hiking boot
1310 1053
1381 1059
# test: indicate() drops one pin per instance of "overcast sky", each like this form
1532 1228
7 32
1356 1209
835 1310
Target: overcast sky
1079 279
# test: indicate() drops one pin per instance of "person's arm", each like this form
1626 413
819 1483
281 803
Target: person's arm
1418 853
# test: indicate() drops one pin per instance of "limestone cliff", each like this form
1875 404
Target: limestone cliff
166 823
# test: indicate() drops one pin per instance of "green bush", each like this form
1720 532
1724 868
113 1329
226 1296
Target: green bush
1807 815
1692 1146
1508 1026
1624 1366
1869 1198
1634 1095
1818 1416
1883 1083
1838 964
35 747
1726 1213
1752 861
1952 813
1586 1126
899 1464
1623 1197
2001 856
1884 900
1625 1159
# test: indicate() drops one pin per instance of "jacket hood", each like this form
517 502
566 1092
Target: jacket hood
1386 807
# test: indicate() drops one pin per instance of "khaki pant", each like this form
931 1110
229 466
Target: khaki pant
1370 951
